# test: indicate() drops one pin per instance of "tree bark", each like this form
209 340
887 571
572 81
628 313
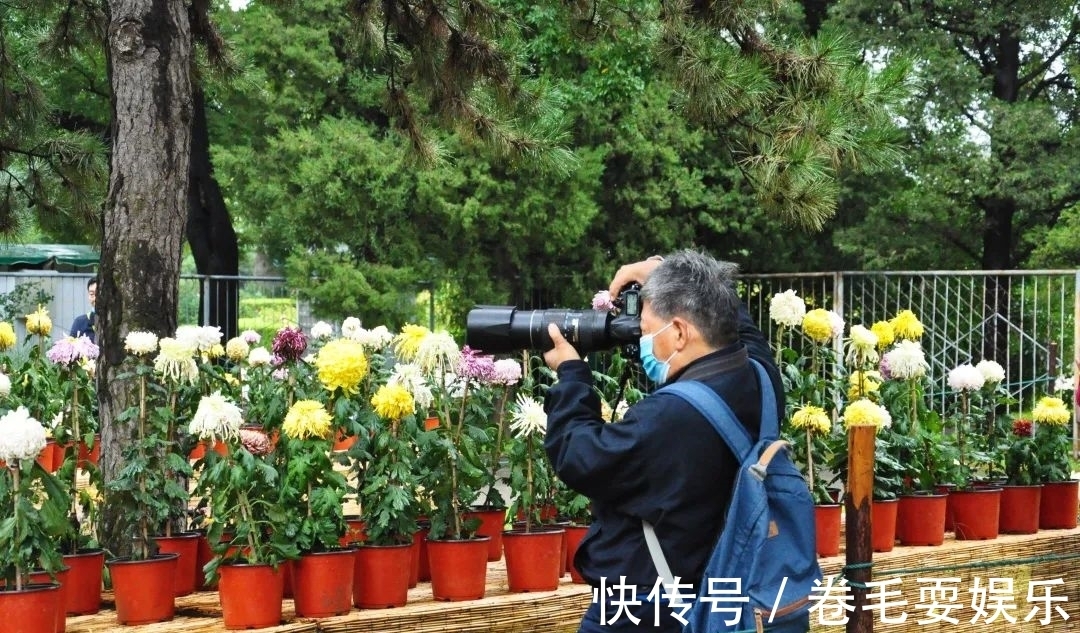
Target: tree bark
210 230
149 61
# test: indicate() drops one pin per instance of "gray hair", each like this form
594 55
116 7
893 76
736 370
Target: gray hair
700 289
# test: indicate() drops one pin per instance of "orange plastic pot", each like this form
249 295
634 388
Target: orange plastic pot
1019 513
883 524
492 524
286 574
43 578
343 442
89 455
458 568
250 595
431 423
920 519
47 457
33 609
354 533
574 535
827 529
186 546
421 570
975 513
534 559
143 589
381 576
1058 506
83 593
323 583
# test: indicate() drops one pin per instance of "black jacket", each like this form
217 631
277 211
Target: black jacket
663 462
83 326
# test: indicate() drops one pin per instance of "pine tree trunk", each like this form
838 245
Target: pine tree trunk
149 54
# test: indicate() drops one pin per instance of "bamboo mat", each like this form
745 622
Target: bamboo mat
560 611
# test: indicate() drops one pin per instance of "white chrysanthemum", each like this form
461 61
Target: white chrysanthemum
528 417
966 378
507 372
21 436
140 343
409 376
837 323
437 350
1063 383
259 356
351 327
620 409
175 360
992 371
202 337
862 345
5 385
216 418
787 308
906 360
237 349
374 339
322 330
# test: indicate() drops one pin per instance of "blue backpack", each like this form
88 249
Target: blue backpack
768 539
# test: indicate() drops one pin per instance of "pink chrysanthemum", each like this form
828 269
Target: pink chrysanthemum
507 372
69 350
602 301
475 365
290 343
256 442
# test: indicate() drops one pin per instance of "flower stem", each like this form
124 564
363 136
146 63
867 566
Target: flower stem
810 459
75 431
529 483
144 519
246 514
496 452
15 516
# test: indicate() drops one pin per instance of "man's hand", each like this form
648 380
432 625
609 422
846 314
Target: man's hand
563 350
638 271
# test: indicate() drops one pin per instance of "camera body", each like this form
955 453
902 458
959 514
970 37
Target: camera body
501 329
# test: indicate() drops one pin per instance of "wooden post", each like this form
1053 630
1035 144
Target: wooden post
860 493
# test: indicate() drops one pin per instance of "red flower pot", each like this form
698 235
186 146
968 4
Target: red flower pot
343 442
1019 513
574 535
975 513
1058 506
421 570
381 579
458 568
43 578
534 559
492 523
89 455
83 594
827 529
250 595
323 583
144 589
883 524
30 610
354 533
186 546
920 519
47 457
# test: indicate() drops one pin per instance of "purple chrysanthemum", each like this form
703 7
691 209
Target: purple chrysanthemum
602 301
290 343
281 373
883 368
475 365
69 351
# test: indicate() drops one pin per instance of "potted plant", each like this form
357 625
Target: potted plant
810 430
576 509
974 510
31 516
245 500
387 491
1021 495
1058 506
534 552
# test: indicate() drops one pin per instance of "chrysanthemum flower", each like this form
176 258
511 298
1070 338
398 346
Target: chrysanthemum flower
528 417
787 308
507 372
322 330
201 337
813 418
38 322
256 442
907 326
602 301
375 339
437 351
237 349
70 351
341 364
290 343
863 383
393 401
862 346
906 361
474 365
307 418
966 378
175 361
992 371
411 378
1052 411
1022 428
863 412
884 332
216 418
251 337
7 336
350 327
21 436
258 356
818 325
1064 383
836 322
5 385
140 343
407 343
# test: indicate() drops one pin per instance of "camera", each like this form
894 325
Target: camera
500 329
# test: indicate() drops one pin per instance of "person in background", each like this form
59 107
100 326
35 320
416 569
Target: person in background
663 462
84 323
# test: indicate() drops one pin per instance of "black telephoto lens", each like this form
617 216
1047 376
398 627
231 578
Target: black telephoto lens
501 329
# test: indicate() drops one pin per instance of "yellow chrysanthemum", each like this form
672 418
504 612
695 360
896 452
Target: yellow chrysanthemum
7 336
237 349
307 418
863 412
408 341
1050 410
907 326
39 322
884 332
813 418
342 365
863 383
818 325
217 350
393 402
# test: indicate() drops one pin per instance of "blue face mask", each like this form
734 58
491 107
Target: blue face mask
655 369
